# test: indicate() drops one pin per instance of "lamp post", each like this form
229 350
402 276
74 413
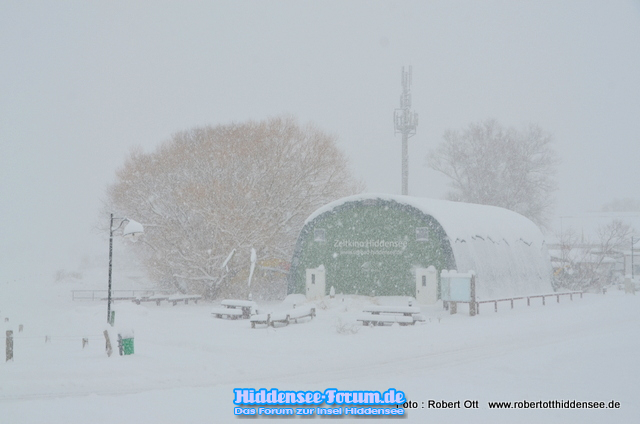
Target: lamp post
131 229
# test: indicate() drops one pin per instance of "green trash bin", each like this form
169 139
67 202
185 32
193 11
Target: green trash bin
125 344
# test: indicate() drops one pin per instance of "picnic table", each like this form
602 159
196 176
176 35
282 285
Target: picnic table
233 309
229 313
396 310
381 315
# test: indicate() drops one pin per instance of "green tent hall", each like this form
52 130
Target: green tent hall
386 245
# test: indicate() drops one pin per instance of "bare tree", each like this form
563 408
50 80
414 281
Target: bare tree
614 237
590 264
212 191
622 205
492 165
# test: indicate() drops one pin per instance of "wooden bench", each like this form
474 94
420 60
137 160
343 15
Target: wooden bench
229 313
113 298
157 298
298 313
282 317
184 298
269 319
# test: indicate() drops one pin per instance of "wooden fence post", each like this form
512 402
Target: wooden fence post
9 345
108 343
472 304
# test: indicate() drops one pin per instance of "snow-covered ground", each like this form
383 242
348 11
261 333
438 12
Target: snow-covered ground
187 363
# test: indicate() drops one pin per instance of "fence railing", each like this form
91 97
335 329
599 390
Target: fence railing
542 296
453 307
89 295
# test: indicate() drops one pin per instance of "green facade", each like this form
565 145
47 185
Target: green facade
370 247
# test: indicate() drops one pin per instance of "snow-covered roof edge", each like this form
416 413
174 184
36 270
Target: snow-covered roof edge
459 220
507 250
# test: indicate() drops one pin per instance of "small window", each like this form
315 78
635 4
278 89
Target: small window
422 234
424 281
313 278
319 234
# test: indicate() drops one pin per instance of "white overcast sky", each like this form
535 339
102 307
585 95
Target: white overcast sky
83 82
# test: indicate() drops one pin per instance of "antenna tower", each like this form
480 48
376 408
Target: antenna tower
405 123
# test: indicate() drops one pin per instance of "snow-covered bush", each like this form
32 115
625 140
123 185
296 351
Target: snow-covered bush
210 194
345 327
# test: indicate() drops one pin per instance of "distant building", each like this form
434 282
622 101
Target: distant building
584 266
376 244
588 252
632 264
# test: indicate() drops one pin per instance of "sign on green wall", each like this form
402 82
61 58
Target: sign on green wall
370 247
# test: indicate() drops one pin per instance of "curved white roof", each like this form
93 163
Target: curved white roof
506 250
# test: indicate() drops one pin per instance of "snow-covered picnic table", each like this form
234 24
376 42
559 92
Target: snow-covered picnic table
235 303
234 308
229 313
404 310
380 315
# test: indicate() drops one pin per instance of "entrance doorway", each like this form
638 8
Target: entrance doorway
426 285
316 286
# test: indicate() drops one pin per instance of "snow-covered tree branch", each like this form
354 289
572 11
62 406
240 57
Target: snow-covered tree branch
590 264
211 190
492 165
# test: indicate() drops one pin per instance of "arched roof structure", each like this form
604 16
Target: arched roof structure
506 250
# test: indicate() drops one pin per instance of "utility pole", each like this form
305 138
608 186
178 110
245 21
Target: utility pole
110 262
405 123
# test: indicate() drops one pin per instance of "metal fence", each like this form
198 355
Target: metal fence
452 306
89 295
